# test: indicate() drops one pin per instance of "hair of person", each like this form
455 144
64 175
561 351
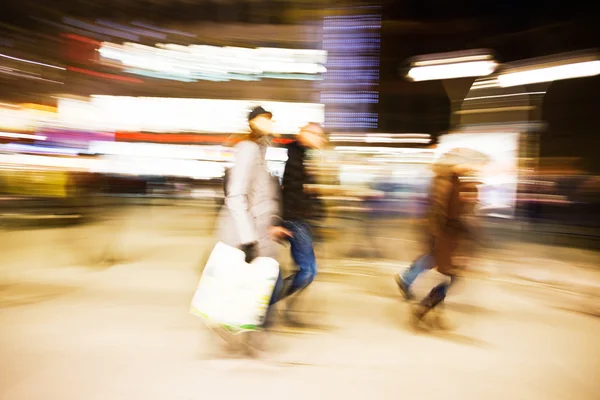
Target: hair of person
315 125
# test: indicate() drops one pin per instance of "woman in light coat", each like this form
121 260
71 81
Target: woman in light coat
251 194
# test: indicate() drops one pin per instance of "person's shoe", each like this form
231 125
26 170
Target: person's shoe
418 314
403 287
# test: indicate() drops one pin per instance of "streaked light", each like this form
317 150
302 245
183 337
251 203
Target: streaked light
550 73
26 148
495 109
11 71
31 62
485 83
98 29
171 31
451 60
415 138
452 71
202 62
22 136
505 95
47 161
11 106
159 167
381 150
158 151
105 75
155 114
141 32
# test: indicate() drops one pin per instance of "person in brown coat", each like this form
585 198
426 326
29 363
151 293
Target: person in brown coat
450 206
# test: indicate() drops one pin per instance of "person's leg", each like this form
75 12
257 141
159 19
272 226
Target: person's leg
275 297
303 255
420 265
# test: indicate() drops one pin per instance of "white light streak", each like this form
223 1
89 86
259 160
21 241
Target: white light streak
154 114
421 138
31 62
505 95
202 62
444 61
549 74
22 136
452 71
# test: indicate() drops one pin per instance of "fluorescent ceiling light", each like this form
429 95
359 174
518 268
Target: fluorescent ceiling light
201 62
452 71
446 61
550 73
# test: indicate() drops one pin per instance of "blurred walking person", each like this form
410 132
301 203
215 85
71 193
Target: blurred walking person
449 224
300 208
252 196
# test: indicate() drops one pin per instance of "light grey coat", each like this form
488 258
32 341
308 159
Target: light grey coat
252 201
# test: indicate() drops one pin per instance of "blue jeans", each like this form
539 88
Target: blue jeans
420 265
438 293
268 321
303 255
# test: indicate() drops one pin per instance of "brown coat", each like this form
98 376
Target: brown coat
446 223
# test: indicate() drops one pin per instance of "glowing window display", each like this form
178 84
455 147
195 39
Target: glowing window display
500 176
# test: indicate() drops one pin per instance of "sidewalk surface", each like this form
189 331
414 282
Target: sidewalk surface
73 328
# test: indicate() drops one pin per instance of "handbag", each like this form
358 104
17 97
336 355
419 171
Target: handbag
232 293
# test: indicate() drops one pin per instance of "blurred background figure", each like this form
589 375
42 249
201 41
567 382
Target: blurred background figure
451 208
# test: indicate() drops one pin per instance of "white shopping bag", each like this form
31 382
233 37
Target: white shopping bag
233 293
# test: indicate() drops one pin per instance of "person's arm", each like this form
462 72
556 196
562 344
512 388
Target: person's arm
238 186
439 198
277 217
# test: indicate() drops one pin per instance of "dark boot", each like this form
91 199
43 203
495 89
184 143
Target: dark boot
418 313
431 301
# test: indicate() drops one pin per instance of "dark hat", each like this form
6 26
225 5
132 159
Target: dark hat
259 111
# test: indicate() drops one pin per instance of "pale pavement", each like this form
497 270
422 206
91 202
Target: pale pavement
73 329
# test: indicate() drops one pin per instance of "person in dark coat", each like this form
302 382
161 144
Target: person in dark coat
448 225
300 207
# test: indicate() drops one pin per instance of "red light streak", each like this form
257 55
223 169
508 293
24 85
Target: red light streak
80 38
105 75
179 138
